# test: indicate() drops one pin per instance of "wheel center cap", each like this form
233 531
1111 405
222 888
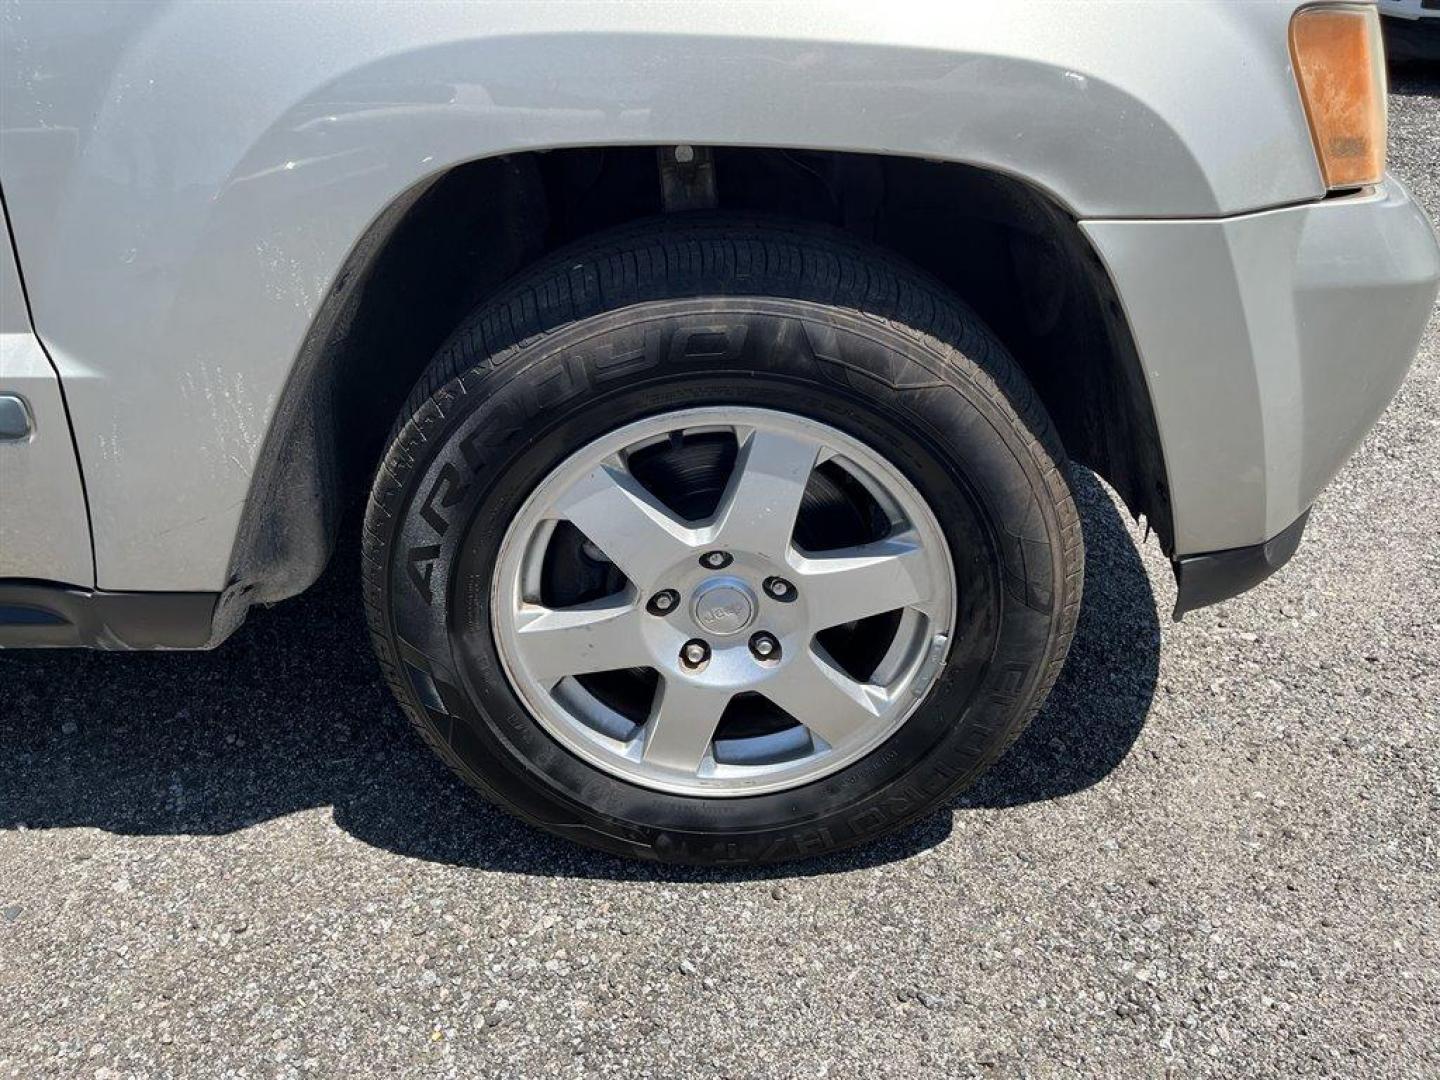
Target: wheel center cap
723 606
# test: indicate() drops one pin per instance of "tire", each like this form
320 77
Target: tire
805 328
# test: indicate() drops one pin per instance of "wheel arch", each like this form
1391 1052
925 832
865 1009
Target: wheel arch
1005 246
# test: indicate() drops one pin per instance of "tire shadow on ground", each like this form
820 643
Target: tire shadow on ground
291 714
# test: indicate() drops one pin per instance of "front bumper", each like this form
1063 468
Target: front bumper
1271 342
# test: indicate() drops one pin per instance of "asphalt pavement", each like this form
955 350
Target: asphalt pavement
1214 852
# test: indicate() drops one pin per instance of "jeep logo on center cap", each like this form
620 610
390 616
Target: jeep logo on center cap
724 607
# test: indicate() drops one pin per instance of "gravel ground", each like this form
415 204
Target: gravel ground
1214 852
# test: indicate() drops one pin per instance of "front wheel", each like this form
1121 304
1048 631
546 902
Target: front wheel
720 543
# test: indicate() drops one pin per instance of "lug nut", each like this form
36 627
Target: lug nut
779 588
694 653
764 646
663 602
716 560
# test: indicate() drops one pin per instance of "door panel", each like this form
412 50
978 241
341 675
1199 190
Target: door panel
44 532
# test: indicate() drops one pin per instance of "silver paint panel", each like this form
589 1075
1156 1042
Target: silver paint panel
186 179
43 531
1270 342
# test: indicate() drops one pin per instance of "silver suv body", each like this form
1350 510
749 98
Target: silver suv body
240 231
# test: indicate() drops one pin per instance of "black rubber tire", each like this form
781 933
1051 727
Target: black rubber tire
674 313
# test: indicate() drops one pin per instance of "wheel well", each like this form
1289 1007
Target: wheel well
1006 248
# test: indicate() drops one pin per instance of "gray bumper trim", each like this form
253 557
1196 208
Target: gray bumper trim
1214 576
41 614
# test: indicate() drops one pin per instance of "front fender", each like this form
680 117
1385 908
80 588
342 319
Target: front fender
186 181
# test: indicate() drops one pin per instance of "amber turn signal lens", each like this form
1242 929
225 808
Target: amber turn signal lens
1340 66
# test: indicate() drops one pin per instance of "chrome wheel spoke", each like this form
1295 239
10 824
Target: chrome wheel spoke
633 528
853 583
682 724
603 636
829 702
763 498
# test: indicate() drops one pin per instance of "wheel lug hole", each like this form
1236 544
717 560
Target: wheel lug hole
777 588
663 602
764 647
716 560
694 653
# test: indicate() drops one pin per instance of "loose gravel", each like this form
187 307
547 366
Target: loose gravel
1215 852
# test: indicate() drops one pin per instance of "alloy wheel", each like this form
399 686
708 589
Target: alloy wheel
723 601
